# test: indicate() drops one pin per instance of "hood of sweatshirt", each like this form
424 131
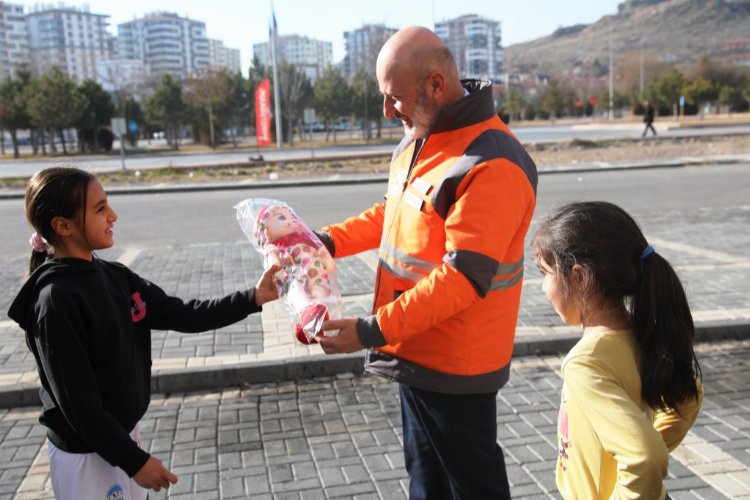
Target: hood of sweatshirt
52 268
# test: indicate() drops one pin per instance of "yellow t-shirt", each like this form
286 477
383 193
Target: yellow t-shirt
610 443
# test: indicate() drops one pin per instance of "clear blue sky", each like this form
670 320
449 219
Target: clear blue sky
241 23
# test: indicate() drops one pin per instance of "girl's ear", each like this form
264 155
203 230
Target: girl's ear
580 278
61 226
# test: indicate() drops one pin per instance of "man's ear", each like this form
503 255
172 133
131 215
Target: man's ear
61 226
436 86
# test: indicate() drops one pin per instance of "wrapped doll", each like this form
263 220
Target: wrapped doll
307 282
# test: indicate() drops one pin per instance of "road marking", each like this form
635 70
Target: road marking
128 256
705 315
703 252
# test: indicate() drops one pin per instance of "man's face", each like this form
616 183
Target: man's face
407 100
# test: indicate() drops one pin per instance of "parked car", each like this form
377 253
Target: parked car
314 127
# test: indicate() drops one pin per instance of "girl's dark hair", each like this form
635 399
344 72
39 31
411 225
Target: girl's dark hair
607 242
55 192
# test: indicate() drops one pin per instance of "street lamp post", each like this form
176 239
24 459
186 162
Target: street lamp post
611 82
640 94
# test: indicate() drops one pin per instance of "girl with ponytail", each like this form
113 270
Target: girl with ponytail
88 322
632 384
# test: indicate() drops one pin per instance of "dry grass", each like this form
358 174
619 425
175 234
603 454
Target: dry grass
575 152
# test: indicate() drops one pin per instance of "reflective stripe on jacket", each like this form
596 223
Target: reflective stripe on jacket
451 244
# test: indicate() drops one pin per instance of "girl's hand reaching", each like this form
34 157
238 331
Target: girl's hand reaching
153 475
265 289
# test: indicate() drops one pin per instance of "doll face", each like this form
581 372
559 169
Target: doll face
281 222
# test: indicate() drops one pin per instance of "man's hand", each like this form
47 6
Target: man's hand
265 289
153 475
347 339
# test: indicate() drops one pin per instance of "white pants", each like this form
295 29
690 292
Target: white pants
76 476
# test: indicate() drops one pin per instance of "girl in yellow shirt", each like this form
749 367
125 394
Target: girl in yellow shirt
631 385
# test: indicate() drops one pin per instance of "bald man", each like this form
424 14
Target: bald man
450 234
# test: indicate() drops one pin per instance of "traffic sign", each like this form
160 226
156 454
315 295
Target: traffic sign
118 126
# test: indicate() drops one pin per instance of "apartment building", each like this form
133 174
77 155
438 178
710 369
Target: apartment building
14 44
70 38
168 43
312 56
224 57
476 44
361 48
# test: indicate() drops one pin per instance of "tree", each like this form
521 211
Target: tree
209 93
235 113
333 98
701 92
717 72
98 112
368 103
55 103
731 97
166 108
551 103
13 112
125 79
628 70
665 91
745 88
296 93
514 103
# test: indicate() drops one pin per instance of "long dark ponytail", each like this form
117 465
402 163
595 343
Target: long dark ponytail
52 192
607 242
664 328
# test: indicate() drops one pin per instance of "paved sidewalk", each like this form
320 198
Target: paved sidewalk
305 425
715 270
340 437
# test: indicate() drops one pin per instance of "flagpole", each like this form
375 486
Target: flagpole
276 95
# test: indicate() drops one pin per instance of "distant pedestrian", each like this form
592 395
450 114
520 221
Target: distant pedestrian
649 114
631 385
88 322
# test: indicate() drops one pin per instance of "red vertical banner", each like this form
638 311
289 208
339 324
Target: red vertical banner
263 113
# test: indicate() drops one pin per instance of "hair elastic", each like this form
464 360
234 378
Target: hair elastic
647 251
38 243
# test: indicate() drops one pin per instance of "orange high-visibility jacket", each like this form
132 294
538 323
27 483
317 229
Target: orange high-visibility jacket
451 245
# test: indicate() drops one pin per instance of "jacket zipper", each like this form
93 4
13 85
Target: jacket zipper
417 149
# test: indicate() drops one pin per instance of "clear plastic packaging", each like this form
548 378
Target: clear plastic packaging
307 282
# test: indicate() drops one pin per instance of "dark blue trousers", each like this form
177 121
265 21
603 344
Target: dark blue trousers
450 446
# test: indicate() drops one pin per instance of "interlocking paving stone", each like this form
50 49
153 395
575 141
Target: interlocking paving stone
349 458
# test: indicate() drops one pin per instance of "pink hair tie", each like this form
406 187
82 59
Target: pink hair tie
38 243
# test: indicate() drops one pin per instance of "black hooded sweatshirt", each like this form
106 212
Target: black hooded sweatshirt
89 327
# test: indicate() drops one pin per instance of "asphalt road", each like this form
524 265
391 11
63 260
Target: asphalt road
185 218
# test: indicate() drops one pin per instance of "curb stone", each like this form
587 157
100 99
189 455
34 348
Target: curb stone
241 374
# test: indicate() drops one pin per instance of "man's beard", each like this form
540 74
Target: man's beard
422 118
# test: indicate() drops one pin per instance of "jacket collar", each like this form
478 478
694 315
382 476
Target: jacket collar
476 107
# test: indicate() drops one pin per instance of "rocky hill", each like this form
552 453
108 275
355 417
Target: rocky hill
674 31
